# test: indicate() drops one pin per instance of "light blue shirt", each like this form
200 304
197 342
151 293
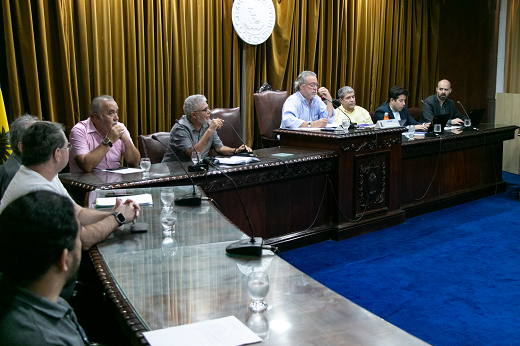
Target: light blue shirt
296 111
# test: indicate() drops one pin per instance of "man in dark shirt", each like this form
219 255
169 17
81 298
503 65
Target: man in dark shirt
440 104
43 254
395 108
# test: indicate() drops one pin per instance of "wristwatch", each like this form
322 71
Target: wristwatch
107 142
120 218
309 124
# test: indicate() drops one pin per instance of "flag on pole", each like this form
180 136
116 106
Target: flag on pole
4 129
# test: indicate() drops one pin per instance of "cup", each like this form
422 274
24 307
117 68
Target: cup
437 128
411 131
195 158
257 288
345 123
145 165
167 197
467 122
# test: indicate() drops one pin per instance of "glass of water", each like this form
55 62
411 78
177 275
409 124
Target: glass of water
346 124
168 220
167 197
194 157
411 131
467 122
257 288
145 165
437 128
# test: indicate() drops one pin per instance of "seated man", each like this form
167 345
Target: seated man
440 104
356 114
43 255
13 163
305 108
100 141
396 108
195 131
45 153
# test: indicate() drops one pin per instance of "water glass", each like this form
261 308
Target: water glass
345 123
195 158
145 165
167 197
437 128
257 288
467 122
411 131
259 324
168 220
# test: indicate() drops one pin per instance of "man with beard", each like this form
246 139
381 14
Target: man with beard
195 131
100 141
305 108
42 253
440 104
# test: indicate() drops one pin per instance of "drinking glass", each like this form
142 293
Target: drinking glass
411 131
259 324
168 220
167 197
257 288
467 122
145 165
194 157
437 128
345 123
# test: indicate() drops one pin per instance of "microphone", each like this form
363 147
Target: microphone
244 247
246 153
352 125
463 108
198 167
190 200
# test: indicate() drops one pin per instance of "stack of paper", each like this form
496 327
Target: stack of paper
144 199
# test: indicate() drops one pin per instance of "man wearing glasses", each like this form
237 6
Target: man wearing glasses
196 132
305 108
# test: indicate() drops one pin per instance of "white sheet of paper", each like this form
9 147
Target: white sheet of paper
226 331
111 201
237 160
124 170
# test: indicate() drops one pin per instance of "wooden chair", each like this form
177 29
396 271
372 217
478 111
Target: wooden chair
268 105
227 135
416 113
148 147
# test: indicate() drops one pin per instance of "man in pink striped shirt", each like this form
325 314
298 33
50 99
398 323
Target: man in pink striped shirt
100 141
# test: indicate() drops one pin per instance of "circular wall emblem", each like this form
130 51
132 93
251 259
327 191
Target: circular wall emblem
253 20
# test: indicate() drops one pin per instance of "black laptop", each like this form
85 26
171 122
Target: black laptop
476 116
441 119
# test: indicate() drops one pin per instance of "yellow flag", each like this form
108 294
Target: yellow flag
4 128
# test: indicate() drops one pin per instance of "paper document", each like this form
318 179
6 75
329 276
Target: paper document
144 199
124 170
226 331
237 160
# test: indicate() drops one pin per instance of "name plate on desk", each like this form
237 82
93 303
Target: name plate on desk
387 124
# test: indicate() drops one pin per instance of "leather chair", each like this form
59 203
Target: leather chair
226 133
148 147
416 113
268 105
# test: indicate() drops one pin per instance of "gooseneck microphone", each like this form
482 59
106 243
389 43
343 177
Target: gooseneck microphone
463 108
244 247
352 125
195 167
189 200
246 153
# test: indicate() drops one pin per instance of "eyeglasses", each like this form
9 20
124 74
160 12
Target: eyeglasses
68 147
203 110
314 85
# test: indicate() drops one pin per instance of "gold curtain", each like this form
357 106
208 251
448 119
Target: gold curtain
512 58
150 55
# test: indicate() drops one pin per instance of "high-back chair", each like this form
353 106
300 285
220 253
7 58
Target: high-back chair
148 147
227 135
268 105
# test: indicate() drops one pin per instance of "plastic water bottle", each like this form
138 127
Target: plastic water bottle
386 116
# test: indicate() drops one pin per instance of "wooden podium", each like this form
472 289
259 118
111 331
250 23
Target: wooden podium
366 185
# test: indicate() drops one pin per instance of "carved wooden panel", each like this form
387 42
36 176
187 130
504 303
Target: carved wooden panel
371 182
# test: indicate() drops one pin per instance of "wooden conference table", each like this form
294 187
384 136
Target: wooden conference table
155 280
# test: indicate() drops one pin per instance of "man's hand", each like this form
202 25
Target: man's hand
116 132
422 127
320 123
457 121
129 209
325 93
243 148
216 124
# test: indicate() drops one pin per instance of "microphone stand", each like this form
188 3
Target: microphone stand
189 200
246 153
244 247
352 125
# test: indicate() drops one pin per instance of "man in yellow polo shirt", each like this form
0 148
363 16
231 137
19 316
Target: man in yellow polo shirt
357 114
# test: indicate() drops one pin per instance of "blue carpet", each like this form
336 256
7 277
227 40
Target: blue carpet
449 277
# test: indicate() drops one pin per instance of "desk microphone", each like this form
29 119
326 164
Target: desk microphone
463 108
246 153
189 200
244 247
199 166
352 125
